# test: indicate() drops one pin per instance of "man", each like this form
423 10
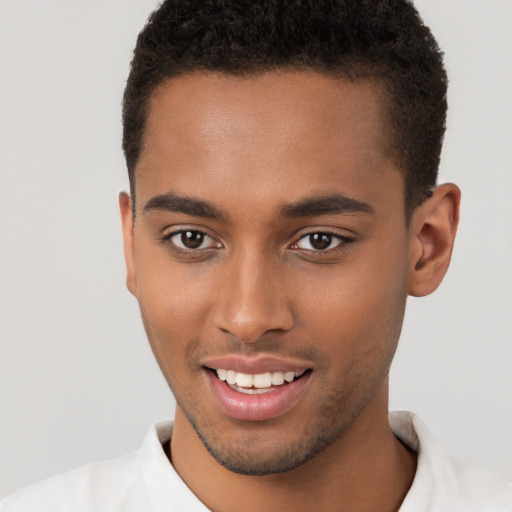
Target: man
282 160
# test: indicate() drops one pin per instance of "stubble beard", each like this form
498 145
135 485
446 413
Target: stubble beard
257 453
250 456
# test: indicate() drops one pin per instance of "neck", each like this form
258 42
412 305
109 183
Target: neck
366 469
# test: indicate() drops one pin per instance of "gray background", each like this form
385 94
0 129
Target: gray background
77 379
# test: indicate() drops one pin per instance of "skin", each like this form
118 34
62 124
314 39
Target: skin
252 149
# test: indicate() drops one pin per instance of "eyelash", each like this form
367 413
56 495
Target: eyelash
166 240
342 242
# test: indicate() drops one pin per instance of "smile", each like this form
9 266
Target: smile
258 383
257 390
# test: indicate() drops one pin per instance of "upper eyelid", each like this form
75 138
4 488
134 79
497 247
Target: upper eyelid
342 238
170 231
331 232
179 231
165 239
323 232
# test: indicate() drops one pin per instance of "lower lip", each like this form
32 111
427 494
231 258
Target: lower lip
264 406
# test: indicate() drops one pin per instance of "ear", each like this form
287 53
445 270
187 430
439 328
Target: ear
431 237
125 206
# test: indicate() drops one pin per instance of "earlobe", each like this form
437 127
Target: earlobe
432 234
125 207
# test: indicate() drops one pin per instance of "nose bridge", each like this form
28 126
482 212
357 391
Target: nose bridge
252 299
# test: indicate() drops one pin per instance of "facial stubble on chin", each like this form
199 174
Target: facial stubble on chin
334 412
332 418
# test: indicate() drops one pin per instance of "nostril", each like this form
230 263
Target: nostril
250 327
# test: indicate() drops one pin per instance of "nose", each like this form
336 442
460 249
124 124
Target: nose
253 298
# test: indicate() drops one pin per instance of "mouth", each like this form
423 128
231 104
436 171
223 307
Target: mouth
257 384
259 391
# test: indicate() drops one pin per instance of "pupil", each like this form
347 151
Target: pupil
320 241
192 239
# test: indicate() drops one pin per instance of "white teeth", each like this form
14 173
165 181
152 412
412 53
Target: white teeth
244 380
253 391
277 378
289 376
231 377
258 381
262 380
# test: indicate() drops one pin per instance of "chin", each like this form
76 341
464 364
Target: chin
259 454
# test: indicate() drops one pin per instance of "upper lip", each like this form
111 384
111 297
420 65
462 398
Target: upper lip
255 365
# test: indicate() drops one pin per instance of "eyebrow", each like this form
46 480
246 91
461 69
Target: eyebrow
326 205
308 207
170 202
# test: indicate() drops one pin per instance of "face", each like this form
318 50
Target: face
269 256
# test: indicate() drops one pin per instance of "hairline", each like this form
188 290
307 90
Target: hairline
356 71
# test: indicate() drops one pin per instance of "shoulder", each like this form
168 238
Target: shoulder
96 486
114 485
443 481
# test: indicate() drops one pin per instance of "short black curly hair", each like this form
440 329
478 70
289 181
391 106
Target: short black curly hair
380 40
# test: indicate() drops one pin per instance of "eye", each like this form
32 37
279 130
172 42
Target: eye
320 241
190 239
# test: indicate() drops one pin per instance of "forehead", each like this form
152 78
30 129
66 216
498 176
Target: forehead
302 131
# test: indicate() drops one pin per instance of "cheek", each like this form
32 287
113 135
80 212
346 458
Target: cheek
358 309
169 303
173 299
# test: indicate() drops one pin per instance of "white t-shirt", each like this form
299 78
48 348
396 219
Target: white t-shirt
145 481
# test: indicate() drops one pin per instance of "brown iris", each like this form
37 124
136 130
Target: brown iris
320 241
192 239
